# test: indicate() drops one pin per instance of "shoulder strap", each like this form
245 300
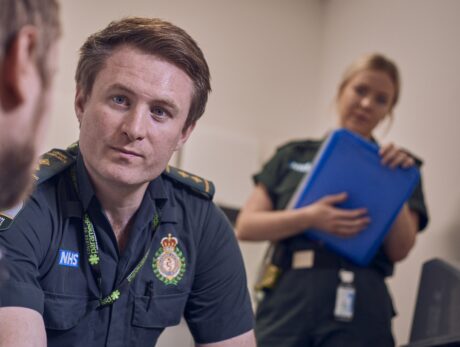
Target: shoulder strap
54 162
195 183
309 144
49 165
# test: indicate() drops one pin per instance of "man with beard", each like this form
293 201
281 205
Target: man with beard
114 245
29 30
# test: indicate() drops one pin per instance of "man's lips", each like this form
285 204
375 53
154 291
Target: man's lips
127 152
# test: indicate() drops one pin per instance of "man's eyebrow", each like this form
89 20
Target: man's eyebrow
121 87
167 103
163 101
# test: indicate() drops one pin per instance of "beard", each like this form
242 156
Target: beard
16 169
18 160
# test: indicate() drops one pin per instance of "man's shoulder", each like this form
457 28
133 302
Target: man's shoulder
50 166
298 149
54 162
308 144
192 183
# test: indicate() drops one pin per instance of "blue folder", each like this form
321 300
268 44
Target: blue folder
349 163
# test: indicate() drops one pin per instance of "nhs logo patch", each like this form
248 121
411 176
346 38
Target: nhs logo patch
68 258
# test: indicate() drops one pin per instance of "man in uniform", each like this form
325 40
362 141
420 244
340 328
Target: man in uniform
115 245
29 30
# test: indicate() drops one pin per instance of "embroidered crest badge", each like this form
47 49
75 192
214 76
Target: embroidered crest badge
169 262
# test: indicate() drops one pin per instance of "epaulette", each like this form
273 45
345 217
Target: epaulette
196 184
49 165
301 143
54 162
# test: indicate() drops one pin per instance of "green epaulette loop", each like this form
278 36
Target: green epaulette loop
55 161
195 183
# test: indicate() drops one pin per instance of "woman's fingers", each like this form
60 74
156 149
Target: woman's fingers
394 156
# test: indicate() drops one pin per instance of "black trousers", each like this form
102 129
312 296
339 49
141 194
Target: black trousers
299 311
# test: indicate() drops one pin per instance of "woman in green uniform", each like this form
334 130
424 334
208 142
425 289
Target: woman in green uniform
301 303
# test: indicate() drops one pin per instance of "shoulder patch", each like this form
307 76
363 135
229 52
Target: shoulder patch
54 162
7 217
195 183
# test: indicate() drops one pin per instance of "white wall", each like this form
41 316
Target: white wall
259 51
275 65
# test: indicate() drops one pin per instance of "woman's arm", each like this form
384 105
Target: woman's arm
401 237
258 221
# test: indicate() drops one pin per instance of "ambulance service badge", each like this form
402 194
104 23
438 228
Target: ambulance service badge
169 262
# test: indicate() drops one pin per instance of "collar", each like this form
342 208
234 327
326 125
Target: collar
155 197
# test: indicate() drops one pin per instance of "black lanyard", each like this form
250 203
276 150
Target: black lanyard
92 252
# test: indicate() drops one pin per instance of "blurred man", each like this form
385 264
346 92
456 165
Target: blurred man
29 30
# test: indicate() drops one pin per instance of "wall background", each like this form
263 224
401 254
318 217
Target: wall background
275 65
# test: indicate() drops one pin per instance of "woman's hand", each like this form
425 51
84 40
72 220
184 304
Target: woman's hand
325 216
394 156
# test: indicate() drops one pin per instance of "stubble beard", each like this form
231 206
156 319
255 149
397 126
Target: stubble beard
16 178
17 164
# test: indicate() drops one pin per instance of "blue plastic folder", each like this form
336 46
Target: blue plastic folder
349 163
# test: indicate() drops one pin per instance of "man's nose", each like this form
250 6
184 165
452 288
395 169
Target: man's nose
134 124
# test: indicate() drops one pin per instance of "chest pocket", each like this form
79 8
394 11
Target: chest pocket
158 311
67 316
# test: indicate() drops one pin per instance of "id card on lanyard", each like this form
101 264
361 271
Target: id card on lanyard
345 297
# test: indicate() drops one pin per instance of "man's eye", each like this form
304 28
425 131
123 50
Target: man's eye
120 100
158 111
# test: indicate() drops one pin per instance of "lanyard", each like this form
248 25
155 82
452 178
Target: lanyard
92 252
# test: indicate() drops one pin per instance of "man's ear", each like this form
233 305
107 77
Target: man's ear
80 103
186 132
19 68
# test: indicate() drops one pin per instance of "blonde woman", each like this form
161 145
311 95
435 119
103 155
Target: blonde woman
301 300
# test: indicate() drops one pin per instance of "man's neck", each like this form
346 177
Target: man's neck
120 203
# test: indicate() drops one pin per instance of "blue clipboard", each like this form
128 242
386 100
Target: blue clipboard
349 163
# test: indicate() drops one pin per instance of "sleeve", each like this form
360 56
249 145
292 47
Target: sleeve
416 201
270 174
219 305
417 204
24 248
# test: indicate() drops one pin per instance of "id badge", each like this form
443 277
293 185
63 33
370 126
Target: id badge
345 300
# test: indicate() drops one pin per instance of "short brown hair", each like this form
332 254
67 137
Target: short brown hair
375 62
153 36
43 14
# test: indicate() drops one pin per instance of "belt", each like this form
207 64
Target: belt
306 256
314 258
